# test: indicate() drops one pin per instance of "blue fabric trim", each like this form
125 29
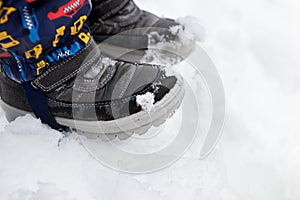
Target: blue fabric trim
39 105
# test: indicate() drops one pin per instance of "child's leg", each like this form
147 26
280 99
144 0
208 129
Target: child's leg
31 30
47 48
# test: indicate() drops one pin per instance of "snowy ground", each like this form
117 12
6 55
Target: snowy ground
254 45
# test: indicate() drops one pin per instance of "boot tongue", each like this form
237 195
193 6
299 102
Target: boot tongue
99 68
95 77
86 66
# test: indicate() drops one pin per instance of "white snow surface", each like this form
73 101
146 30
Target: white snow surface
255 46
146 101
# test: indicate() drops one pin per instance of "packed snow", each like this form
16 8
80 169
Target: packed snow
146 101
254 45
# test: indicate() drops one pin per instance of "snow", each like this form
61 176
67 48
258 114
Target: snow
107 62
146 101
46 191
254 45
193 28
160 48
96 69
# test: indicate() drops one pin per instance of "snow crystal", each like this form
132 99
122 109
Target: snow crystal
169 52
176 29
95 70
193 28
106 61
146 101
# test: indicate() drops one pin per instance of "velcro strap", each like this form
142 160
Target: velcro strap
59 74
39 106
108 8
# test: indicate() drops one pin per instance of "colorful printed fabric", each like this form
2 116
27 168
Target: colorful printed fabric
37 34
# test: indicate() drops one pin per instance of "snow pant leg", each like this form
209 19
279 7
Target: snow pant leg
25 24
30 29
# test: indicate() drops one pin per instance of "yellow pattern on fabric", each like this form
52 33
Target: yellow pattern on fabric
7 41
4 13
40 65
78 25
35 52
85 37
59 32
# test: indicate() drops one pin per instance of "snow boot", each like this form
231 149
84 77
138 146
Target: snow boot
126 32
98 96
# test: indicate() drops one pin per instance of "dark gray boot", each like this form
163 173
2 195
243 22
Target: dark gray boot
126 32
98 96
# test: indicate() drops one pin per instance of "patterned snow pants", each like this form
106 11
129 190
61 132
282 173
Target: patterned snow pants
36 34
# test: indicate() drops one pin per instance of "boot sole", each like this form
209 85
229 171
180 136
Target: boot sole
123 128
